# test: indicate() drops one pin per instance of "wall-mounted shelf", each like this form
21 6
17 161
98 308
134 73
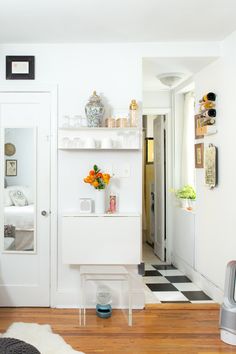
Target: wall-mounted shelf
210 130
99 129
99 138
78 214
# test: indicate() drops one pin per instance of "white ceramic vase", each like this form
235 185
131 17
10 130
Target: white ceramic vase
100 202
184 203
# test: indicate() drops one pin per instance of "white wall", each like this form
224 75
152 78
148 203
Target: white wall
115 71
156 99
215 216
215 223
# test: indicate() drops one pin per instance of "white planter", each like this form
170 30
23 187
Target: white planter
187 203
184 203
192 204
100 202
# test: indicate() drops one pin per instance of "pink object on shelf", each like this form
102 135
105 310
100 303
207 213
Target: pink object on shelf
112 208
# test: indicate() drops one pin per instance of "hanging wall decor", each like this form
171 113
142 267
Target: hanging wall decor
11 168
20 67
9 149
199 155
211 166
205 121
199 133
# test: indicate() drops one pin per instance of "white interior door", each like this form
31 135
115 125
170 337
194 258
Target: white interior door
160 187
25 203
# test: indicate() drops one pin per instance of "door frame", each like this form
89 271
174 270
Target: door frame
53 91
169 172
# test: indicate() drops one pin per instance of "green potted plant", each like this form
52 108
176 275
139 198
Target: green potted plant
187 195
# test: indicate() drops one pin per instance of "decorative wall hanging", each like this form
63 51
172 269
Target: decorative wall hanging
205 120
10 149
20 67
199 134
199 155
11 168
211 166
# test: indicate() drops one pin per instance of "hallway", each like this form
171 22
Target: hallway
166 284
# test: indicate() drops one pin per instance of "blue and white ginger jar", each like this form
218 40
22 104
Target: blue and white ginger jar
94 111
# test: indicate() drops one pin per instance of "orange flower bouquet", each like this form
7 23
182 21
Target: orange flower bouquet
97 179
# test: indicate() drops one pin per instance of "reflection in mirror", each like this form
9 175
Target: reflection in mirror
19 183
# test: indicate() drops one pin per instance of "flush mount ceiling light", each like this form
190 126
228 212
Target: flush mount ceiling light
170 79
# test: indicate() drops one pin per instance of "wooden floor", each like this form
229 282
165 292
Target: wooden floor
164 328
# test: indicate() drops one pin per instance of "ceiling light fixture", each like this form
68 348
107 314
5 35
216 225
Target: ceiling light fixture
170 79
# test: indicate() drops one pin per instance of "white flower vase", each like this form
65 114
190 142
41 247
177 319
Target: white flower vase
100 202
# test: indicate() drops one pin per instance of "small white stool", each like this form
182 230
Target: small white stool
103 273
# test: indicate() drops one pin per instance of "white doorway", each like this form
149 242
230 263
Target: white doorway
25 119
159 133
157 180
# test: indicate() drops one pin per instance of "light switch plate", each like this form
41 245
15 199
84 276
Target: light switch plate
122 171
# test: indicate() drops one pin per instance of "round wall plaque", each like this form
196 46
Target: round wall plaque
10 149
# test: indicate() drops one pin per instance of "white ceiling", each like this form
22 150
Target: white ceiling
152 67
25 21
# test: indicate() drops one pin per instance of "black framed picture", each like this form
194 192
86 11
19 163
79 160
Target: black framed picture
11 168
20 67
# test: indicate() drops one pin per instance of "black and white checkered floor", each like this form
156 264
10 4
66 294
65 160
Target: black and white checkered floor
166 284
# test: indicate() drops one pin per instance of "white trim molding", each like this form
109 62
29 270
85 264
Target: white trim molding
203 283
53 90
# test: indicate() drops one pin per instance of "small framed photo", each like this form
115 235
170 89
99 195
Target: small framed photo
11 168
20 68
199 130
199 155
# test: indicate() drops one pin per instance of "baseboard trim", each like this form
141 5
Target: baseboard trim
203 283
182 306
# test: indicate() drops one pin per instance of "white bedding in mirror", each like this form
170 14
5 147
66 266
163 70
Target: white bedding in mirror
21 217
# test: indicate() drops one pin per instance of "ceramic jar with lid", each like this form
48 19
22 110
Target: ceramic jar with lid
94 111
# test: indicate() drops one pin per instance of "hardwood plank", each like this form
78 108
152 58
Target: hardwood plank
165 329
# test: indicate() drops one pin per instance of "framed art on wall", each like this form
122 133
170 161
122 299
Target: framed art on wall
9 149
211 166
20 68
11 168
199 155
199 133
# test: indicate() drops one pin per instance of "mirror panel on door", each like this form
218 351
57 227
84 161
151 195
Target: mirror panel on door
19 189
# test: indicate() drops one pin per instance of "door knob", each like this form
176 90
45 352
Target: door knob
43 212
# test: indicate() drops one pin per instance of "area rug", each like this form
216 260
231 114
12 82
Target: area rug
41 337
